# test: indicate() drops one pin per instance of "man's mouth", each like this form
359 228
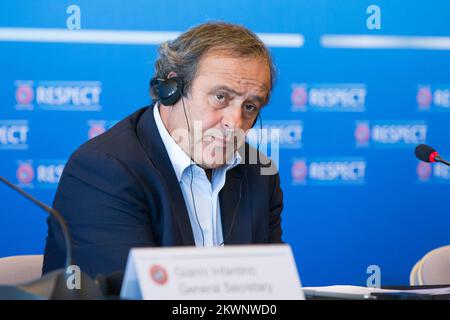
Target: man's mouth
221 141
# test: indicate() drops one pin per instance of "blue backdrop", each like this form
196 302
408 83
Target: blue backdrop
358 88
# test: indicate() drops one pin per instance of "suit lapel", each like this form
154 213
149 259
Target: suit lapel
154 147
236 186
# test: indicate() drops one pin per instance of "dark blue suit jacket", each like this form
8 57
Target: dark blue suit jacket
119 191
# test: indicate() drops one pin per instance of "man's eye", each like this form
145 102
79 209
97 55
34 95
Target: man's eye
220 97
250 108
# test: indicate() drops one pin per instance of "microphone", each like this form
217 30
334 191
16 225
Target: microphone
428 154
54 284
51 211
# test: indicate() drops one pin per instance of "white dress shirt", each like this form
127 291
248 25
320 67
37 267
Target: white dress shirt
206 193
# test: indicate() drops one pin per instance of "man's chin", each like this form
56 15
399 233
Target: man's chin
213 162
214 158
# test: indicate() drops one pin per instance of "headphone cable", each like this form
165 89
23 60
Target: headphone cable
192 171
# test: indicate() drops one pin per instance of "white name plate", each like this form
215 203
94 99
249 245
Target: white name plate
257 272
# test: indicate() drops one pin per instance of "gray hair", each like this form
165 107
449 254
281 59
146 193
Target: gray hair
183 54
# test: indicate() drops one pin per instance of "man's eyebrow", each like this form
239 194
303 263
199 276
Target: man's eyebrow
225 88
260 99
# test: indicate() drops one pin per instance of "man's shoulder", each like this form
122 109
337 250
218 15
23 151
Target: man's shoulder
117 138
119 148
112 160
120 141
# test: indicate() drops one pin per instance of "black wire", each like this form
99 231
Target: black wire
260 133
192 172
62 223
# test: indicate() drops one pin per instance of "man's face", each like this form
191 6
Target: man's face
224 101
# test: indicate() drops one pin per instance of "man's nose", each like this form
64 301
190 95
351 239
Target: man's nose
232 117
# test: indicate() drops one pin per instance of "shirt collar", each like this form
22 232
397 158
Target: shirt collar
180 160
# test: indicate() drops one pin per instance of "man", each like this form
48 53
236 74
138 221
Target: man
176 173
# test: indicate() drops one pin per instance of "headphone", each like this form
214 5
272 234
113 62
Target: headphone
169 91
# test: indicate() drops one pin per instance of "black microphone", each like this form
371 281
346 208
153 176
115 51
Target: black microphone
51 211
54 284
428 154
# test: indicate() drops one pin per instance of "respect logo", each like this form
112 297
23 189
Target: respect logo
328 171
58 95
41 173
14 134
390 133
337 97
433 98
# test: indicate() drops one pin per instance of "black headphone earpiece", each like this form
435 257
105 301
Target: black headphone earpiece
169 90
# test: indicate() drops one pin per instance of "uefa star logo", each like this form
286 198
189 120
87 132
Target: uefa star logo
299 171
424 98
96 130
299 98
362 133
24 94
424 171
159 274
25 173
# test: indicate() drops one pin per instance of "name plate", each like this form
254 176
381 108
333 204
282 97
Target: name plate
254 272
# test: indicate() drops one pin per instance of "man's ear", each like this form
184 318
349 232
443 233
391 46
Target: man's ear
172 74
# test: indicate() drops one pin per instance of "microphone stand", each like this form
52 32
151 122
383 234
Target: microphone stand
53 285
